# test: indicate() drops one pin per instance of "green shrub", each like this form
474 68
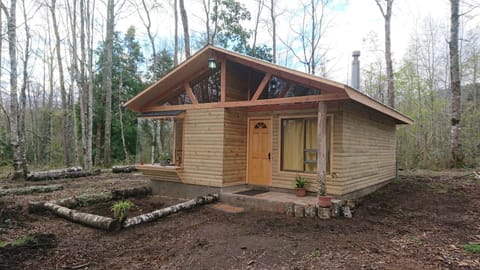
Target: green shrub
473 248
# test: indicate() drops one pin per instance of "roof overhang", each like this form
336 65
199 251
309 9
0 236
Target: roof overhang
196 64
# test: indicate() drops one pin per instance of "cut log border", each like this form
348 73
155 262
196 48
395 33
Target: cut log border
30 190
157 214
109 224
105 223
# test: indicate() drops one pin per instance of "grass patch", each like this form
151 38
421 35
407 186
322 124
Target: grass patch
19 241
472 248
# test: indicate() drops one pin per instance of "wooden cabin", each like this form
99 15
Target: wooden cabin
238 120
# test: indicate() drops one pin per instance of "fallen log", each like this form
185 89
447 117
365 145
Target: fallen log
152 216
131 192
57 174
95 221
30 190
124 169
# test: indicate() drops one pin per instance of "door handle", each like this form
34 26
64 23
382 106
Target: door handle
269 156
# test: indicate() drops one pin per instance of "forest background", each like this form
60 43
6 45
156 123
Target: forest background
66 67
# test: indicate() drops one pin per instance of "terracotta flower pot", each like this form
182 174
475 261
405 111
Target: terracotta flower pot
300 192
324 201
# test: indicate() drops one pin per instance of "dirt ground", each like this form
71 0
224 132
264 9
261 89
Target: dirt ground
416 222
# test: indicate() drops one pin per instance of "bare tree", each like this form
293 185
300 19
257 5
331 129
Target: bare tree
186 35
387 15
311 32
456 143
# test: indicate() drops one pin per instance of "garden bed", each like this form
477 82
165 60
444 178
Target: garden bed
141 206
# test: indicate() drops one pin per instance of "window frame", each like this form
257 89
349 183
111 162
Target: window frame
280 146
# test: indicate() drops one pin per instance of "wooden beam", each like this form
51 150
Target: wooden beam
235 104
322 148
281 107
262 85
284 90
190 94
223 81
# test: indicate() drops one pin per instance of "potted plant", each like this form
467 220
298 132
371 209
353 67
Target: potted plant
164 160
300 182
323 200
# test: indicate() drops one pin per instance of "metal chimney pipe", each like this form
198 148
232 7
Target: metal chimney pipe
356 70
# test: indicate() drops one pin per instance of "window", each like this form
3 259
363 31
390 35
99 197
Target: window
160 141
299 144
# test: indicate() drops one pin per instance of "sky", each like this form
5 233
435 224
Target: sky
351 21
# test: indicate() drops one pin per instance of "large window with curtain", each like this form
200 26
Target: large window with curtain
299 144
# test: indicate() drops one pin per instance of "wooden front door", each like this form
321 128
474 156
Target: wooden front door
260 152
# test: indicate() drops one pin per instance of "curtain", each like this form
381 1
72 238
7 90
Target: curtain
292 144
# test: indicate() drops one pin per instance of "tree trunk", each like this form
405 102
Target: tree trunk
388 56
89 27
387 15
186 35
152 216
98 144
456 145
175 51
23 96
95 221
257 20
18 172
274 31
66 136
322 148
107 80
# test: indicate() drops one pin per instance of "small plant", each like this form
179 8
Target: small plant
120 210
472 248
300 181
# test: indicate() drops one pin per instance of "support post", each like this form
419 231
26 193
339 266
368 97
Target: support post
321 148
223 81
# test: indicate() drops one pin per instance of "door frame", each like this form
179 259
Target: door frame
248 144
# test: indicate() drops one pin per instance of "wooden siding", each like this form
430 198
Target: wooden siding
235 146
286 180
367 155
203 147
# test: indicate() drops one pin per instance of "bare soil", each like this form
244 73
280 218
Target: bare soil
416 222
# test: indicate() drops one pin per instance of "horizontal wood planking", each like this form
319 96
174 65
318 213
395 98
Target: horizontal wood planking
235 146
367 155
203 147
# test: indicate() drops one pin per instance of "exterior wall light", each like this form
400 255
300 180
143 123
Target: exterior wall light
211 63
